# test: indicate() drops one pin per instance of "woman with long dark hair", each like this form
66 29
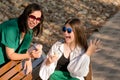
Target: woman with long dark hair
16 35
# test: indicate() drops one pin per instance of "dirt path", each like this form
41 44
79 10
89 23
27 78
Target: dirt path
106 63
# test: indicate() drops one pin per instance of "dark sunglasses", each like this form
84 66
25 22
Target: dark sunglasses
69 30
33 17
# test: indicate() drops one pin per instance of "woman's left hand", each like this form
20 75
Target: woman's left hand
93 47
28 66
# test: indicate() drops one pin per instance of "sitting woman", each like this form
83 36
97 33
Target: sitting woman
69 58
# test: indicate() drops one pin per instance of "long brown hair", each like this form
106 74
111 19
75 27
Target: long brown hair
79 32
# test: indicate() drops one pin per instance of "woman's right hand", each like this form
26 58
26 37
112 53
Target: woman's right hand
93 47
37 52
51 59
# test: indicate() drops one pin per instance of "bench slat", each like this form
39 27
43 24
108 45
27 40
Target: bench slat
12 72
18 76
8 66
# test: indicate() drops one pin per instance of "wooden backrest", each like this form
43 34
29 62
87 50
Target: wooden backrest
13 70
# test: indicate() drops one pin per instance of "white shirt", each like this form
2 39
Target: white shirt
78 66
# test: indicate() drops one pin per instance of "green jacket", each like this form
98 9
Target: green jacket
10 37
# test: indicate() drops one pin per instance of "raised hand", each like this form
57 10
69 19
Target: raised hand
93 47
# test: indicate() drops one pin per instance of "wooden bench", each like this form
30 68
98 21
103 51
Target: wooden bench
13 70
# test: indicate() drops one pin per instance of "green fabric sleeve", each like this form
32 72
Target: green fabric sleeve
9 35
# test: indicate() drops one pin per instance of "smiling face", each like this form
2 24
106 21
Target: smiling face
34 19
69 34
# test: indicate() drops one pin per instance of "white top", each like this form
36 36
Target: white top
78 66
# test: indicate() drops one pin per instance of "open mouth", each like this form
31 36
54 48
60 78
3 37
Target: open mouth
67 37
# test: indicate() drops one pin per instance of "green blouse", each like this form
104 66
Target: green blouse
10 37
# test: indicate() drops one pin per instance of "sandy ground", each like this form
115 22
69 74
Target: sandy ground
106 63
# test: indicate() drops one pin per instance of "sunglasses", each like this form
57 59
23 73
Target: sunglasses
34 18
69 30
